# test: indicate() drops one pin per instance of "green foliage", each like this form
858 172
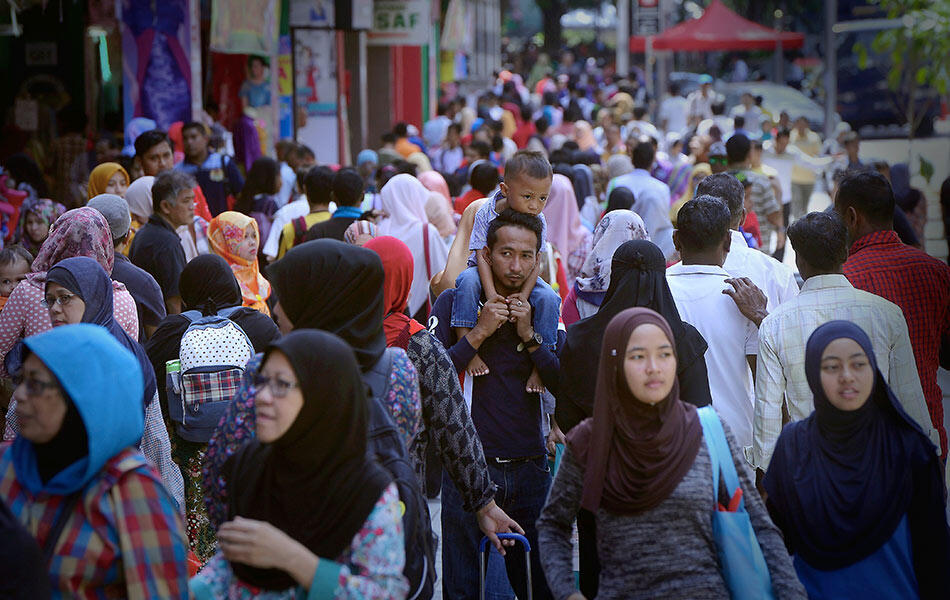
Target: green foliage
919 51
926 169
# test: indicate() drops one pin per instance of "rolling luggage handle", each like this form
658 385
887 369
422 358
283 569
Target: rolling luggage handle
481 560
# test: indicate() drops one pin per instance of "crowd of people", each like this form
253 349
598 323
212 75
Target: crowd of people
546 307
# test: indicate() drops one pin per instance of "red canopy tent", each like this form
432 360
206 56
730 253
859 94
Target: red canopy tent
719 29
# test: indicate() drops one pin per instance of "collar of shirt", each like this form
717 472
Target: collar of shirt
343 212
160 221
875 238
824 282
681 269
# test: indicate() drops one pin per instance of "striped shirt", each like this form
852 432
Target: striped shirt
780 368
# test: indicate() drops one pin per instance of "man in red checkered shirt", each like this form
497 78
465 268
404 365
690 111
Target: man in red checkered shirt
879 263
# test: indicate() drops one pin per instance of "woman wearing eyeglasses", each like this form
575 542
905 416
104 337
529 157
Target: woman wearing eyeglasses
75 479
79 232
308 513
78 290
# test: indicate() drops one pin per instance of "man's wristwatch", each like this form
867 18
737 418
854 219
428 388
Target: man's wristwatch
533 342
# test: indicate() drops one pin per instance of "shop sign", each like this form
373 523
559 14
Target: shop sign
400 23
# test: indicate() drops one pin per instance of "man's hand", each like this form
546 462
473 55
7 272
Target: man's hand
492 520
520 314
493 315
749 299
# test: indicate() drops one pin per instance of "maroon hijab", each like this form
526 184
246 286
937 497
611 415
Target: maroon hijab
634 454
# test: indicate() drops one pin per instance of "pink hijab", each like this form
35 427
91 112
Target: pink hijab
435 182
565 229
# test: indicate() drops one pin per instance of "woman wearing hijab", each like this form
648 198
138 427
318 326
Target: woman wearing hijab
621 198
641 467
309 513
75 468
435 182
446 423
207 285
857 487
78 290
404 199
79 232
330 285
637 278
108 178
590 287
565 230
37 216
619 164
234 237
910 200
139 197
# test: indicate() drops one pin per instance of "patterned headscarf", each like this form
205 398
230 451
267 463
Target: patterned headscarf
43 208
615 228
79 232
225 233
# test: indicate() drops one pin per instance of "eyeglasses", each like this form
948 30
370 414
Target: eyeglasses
718 160
278 387
63 301
34 387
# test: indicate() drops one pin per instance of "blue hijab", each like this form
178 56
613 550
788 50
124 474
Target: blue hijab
98 377
840 482
86 278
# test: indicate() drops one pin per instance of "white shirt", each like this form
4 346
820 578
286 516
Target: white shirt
652 203
786 162
673 110
723 122
288 183
776 280
752 116
284 215
697 291
701 106
780 368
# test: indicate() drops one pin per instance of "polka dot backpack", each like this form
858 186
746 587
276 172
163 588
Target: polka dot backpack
214 352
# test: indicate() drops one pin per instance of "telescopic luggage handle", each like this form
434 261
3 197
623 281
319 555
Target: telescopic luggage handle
483 545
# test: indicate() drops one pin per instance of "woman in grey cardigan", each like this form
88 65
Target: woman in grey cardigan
641 466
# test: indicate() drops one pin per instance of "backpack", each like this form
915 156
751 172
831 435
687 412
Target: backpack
214 352
300 230
385 446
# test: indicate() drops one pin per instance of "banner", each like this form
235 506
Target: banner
244 26
312 13
316 92
156 62
400 23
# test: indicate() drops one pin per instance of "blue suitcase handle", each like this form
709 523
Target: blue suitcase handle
506 536
483 545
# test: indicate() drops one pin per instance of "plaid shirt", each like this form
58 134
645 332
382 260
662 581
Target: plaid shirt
920 285
124 538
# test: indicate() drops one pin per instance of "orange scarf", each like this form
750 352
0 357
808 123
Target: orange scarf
225 233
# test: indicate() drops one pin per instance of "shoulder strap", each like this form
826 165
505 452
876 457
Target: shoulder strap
192 315
425 246
227 312
719 453
65 509
300 229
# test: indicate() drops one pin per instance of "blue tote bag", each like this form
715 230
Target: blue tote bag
740 557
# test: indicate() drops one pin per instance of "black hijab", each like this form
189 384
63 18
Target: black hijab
208 279
331 285
315 483
840 482
637 278
621 198
86 278
70 444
